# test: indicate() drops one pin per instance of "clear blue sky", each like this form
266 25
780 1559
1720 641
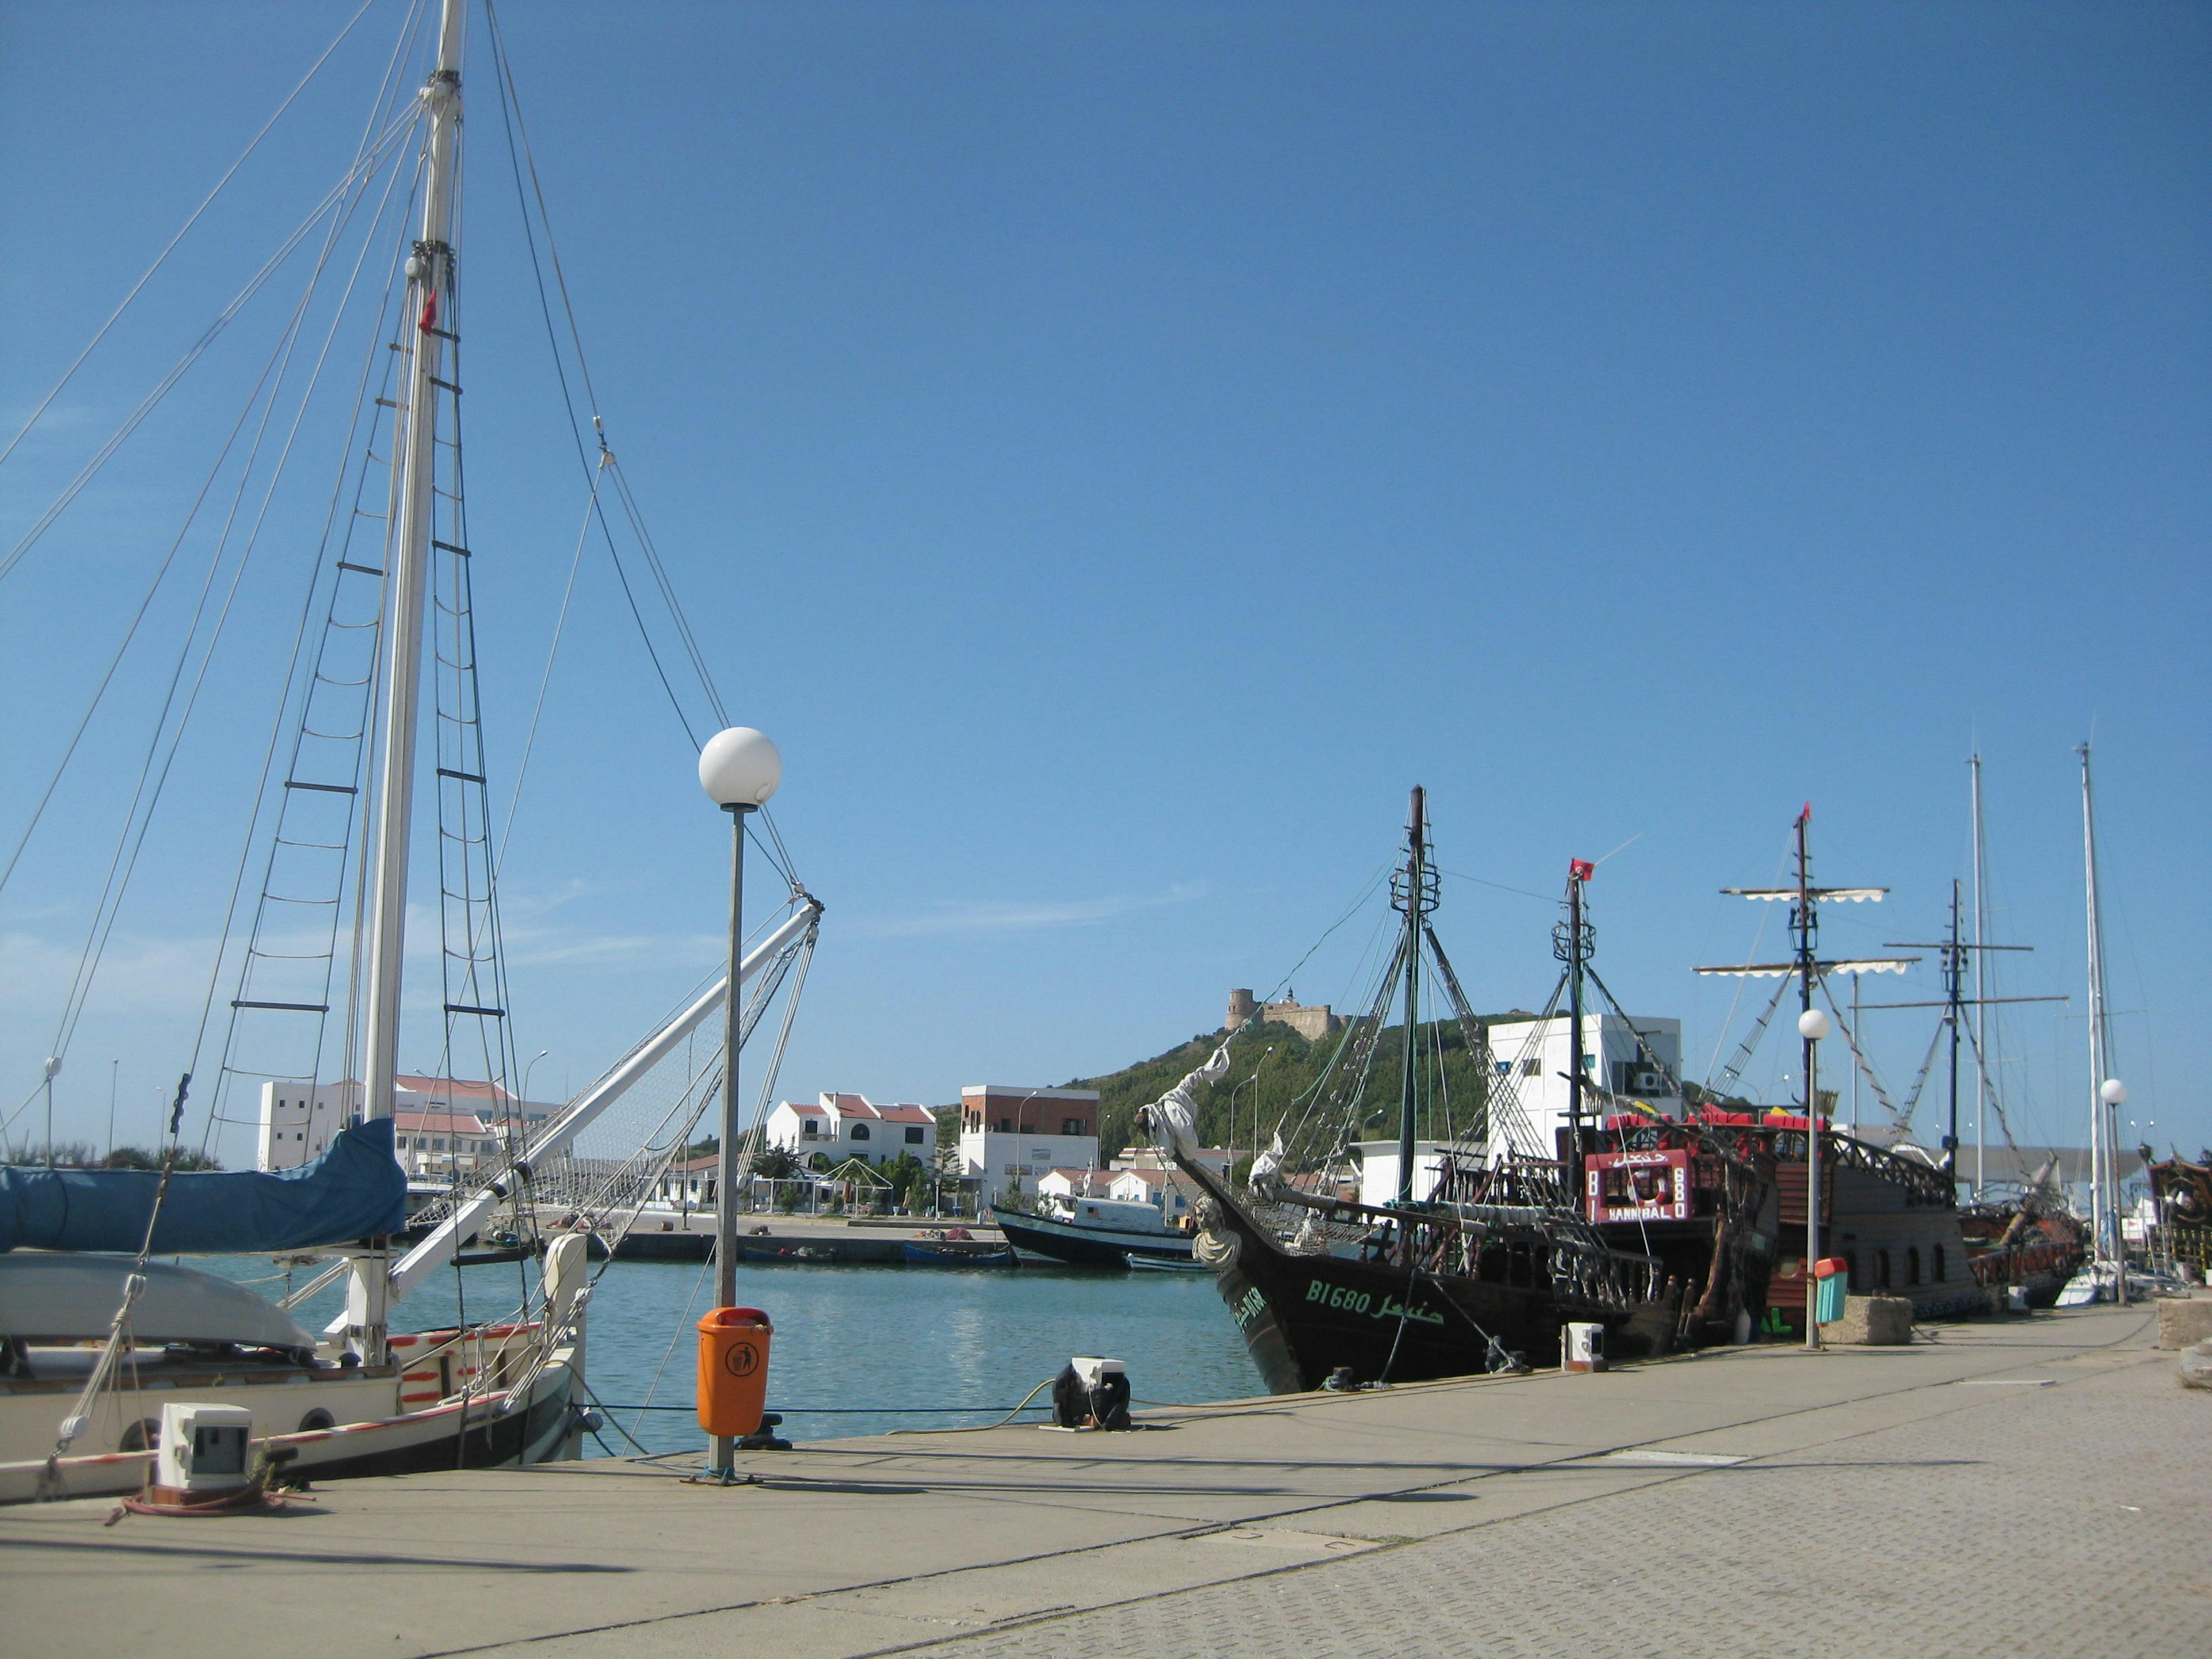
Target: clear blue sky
1115 450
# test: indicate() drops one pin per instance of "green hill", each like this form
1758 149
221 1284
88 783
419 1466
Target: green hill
1287 1079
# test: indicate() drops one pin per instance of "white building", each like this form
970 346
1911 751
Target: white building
1534 1055
433 1146
841 1126
1217 1160
1075 1183
1378 1170
1169 1191
1012 1137
297 1123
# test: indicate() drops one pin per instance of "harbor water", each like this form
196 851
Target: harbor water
857 1350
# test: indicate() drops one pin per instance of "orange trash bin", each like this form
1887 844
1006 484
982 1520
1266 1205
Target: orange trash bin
734 1370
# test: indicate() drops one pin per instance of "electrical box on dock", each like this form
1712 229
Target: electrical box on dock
203 1447
1585 1347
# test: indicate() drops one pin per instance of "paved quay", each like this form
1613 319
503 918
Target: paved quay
2018 1487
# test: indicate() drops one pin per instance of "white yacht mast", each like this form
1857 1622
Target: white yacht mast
2101 1162
428 312
1981 992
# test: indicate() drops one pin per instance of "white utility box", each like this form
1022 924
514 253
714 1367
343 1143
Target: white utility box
203 1447
1091 1370
1585 1348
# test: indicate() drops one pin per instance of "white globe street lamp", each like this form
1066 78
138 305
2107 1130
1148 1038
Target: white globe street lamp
1813 1024
2111 1091
740 769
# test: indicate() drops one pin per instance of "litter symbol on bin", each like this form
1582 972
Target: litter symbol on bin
742 1360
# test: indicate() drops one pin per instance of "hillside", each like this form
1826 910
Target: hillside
1287 1074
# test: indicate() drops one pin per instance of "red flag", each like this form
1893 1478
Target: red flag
1580 869
430 311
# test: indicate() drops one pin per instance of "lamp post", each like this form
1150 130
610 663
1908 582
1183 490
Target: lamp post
1812 1026
2114 1094
528 1069
739 769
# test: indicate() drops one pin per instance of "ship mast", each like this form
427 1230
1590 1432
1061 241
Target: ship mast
2103 1133
1981 989
1416 904
427 309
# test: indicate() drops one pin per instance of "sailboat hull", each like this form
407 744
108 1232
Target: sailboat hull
1306 1317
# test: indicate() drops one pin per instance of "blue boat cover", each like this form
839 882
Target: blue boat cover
355 1190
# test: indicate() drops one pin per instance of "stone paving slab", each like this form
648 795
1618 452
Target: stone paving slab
2070 1520
1308 1518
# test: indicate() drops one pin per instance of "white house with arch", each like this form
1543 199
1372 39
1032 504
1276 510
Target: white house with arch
842 1125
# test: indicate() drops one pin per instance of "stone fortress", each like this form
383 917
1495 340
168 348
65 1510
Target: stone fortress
1311 1023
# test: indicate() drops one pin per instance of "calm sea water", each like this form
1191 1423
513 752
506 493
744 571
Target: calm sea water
856 1350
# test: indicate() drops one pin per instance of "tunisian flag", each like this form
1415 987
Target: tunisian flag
1580 869
430 311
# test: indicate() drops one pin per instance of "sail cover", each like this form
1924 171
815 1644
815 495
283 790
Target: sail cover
355 1190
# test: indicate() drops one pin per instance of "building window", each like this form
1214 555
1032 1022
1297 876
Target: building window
1852 1271
913 1136
1532 1068
1881 1270
1912 1266
1070 1126
859 1132
403 1143
439 1145
1005 1126
1939 1264
807 1131
299 1134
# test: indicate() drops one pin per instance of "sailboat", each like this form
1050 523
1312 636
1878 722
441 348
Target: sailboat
94 1331
2106 1274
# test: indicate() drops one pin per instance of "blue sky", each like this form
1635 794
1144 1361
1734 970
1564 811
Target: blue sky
1116 450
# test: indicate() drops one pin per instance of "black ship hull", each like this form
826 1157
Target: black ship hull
1306 1318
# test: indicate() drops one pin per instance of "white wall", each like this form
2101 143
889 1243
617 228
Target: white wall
1610 1050
1007 1162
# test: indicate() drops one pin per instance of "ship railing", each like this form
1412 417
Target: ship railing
1447 1237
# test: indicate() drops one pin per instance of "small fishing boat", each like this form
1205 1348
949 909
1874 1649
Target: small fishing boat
1165 1264
1093 1232
935 1254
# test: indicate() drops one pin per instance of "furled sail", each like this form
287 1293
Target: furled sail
355 1190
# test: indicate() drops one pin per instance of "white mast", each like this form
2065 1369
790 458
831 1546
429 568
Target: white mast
427 313
1981 994
2101 1148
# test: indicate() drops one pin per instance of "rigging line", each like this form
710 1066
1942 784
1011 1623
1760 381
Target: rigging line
193 353
100 691
307 605
1366 893
668 593
511 118
1480 881
1851 1041
115 316
1912 1101
1995 1104
521 154
1765 914
538 708
96 933
1623 847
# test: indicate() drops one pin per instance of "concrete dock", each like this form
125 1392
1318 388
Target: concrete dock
2021 1487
